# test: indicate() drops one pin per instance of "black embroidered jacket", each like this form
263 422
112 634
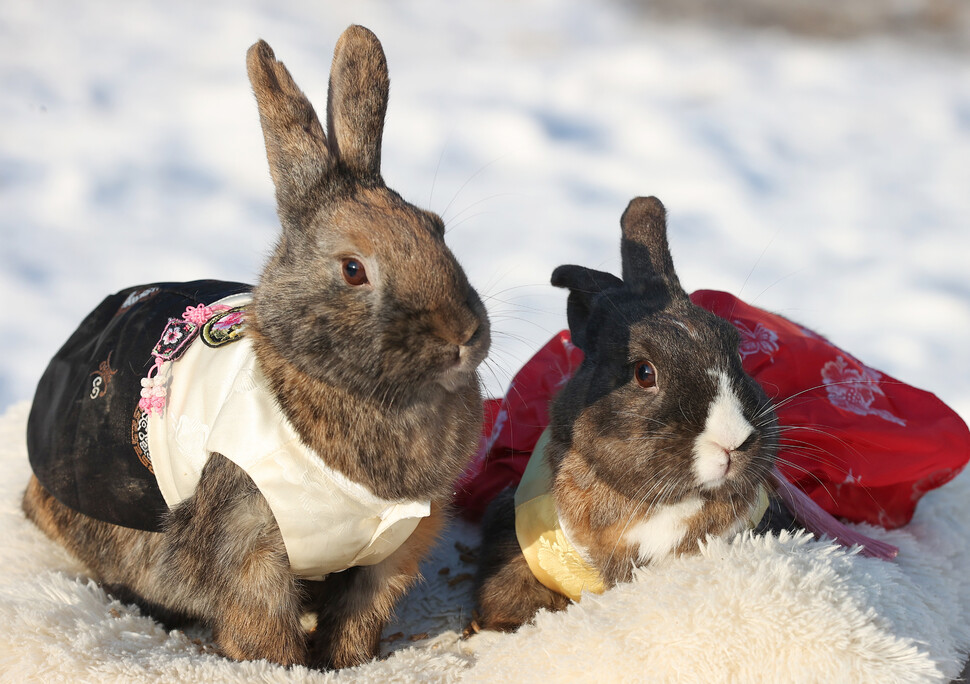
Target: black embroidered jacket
86 435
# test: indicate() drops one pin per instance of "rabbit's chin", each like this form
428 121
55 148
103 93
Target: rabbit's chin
457 377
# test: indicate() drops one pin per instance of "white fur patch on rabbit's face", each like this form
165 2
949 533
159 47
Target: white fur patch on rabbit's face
725 430
662 532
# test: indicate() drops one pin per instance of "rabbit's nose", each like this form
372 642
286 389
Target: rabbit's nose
461 338
471 334
459 328
725 461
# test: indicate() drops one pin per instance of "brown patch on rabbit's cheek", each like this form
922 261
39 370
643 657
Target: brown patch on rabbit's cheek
618 459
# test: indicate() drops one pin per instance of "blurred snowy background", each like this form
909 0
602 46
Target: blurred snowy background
815 164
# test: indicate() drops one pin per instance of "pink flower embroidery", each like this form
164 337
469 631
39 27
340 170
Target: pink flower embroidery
173 342
761 340
855 390
226 322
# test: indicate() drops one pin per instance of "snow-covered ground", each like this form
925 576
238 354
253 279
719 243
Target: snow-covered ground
827 181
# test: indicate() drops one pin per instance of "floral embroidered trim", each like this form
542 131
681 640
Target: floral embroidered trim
139 438
175 338
855 390
760 340
174 341
224 327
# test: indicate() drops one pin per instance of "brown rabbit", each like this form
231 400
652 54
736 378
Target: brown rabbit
659 439
314 476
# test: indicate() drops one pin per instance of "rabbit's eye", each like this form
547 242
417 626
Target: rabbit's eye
354 272
645 374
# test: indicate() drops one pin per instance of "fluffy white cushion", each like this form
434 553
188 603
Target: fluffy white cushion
755 609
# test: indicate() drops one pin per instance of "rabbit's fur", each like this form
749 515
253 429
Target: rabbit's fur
638 473
378 378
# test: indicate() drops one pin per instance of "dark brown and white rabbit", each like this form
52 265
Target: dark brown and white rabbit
658 440
366 336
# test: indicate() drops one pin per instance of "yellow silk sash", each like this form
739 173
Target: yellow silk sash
552 559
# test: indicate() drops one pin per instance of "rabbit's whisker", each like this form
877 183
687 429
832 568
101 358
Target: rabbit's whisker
464 185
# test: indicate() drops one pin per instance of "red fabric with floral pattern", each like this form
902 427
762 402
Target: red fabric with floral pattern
861 444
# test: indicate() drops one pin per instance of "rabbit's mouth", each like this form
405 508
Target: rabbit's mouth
463 359
461 367
461 371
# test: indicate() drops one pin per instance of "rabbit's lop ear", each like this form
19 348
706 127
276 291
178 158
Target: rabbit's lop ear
295 142
644 249
584 284
357 102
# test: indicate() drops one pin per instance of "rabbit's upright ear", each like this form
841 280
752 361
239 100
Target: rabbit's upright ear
584 284
644 249
357 102
296 145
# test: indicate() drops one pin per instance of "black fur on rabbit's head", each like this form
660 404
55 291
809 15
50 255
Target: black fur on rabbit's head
661 437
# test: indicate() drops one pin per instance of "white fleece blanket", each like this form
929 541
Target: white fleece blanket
753 610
